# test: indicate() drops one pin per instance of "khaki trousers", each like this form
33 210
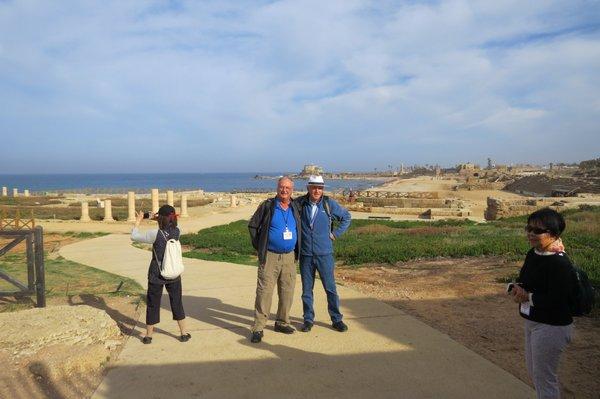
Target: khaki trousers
278 269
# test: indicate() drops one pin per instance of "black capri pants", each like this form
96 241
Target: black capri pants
153 299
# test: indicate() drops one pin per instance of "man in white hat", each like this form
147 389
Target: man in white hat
317 213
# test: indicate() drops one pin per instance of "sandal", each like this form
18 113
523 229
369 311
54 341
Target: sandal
147 340
185 337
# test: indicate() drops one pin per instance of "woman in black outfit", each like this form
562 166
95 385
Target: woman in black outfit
167 229
544 291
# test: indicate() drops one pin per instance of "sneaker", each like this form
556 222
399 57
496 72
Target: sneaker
340 326
147 340
307 326
256 337
185 337
284 328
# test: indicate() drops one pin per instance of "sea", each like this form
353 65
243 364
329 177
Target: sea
143 183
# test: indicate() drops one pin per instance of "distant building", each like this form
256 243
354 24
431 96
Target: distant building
312 170
468 169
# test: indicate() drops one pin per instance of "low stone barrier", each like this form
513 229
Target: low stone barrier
498 208
423 213
412 202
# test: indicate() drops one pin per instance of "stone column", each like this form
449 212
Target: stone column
131 206
233 201
85 212
154 200
108 217
4 191
170 200
26 193
184 212
15 192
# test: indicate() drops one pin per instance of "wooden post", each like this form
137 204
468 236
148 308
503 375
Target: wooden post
15 192
30 262
40 280
170 200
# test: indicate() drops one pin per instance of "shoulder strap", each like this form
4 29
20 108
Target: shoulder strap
302 202
327 206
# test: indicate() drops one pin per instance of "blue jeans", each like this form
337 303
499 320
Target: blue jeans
324 264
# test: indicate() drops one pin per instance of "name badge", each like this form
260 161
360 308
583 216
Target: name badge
287 235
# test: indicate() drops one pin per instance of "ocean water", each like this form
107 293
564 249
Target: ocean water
142 183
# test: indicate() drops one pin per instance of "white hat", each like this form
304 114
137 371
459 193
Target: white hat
316 180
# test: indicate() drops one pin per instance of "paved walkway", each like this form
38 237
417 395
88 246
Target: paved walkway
385 354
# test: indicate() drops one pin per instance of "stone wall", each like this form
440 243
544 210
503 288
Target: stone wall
395 194
423 213
498 209
412 202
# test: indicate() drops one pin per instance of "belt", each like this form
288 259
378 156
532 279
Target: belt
280 253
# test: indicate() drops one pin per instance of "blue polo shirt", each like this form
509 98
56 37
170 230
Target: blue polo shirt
281 221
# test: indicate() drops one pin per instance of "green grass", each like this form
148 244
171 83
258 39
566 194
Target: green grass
383 241
84 234
227 243
64 278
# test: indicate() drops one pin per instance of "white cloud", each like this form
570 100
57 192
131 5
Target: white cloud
245 82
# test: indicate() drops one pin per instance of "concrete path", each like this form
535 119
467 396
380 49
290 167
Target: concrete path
385 353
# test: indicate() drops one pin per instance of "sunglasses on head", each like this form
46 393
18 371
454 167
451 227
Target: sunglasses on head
535 230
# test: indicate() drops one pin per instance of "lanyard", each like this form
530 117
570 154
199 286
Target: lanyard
286 214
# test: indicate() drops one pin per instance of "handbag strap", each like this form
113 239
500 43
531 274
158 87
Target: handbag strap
156 256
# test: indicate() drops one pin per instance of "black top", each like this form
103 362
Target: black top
550 279
158 251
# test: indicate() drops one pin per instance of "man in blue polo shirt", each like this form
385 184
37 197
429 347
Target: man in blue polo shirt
275 232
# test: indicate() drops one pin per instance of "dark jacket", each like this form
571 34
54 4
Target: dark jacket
259 228
550 279
158 252
316 240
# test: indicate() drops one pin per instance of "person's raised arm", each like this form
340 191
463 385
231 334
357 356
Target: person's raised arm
148 236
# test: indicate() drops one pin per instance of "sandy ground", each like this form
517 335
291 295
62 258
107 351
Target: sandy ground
462 298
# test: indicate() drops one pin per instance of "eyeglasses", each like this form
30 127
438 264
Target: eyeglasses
535 230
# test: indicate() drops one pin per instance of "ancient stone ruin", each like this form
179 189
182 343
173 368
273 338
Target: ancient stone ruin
498 209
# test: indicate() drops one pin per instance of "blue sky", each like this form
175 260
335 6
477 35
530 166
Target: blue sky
219 86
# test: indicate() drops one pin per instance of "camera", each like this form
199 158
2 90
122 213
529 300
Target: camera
510 286
148 215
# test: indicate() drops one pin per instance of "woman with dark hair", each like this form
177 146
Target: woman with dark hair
167 229
543 291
